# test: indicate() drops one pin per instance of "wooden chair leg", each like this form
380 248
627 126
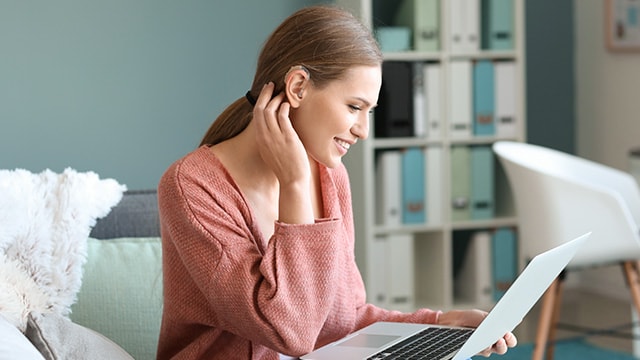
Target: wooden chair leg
554 319
632 272
545 320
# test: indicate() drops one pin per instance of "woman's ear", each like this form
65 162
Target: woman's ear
295 82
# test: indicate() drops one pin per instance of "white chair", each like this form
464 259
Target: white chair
559 196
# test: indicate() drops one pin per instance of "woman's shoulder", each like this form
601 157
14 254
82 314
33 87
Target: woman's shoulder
198 167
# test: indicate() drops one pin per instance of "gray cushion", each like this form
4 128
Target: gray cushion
135 216
57 338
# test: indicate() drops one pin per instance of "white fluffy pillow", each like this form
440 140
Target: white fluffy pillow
45 220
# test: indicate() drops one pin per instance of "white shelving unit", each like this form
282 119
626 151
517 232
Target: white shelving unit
433 260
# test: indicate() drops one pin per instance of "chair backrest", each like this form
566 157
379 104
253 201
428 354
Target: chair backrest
559 196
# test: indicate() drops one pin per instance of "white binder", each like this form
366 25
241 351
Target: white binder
419 101
460 100
432 89
506 95
464 17
474 283
401 278
389 188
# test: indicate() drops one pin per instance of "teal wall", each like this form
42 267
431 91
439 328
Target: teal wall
550 74
122 87
125 87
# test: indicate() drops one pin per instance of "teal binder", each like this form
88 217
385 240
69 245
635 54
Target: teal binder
460 183
482 183
484 98
413 186
504 252
423 17
497 24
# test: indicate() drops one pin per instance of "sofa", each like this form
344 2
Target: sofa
121 294
80 268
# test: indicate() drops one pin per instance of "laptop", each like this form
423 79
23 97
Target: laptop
379 340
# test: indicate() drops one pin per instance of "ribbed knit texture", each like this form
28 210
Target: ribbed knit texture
229 293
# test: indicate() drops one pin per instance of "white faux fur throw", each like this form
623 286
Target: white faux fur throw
45 220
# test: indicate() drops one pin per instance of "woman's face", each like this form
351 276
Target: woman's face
331 119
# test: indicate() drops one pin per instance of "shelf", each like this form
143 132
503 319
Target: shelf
485 224
433 250
403 142
441 57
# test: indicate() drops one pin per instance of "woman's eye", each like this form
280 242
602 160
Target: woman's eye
355 107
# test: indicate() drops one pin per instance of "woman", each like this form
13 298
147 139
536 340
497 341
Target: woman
257 226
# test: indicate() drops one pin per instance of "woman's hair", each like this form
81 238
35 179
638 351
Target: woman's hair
325 39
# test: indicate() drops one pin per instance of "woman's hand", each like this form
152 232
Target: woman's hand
282 150
279 144
473 318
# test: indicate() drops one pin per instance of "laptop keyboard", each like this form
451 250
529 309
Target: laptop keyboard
429 344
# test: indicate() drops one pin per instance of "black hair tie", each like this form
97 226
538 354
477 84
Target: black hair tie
250 98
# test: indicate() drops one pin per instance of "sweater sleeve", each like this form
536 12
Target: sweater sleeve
279 296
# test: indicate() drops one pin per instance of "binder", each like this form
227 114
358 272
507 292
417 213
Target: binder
413 186
432 88
464 17
474 281
377 290
460 103
456 21
394 113
433 181
389 188
460 183
400 269
505 260
505 99
482 182
483 98
392 282
419 101
471 14
497 24
422 16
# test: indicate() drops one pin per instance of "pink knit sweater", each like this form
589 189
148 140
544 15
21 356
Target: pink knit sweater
229 293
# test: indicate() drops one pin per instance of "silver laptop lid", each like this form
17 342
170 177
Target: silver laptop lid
521 296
